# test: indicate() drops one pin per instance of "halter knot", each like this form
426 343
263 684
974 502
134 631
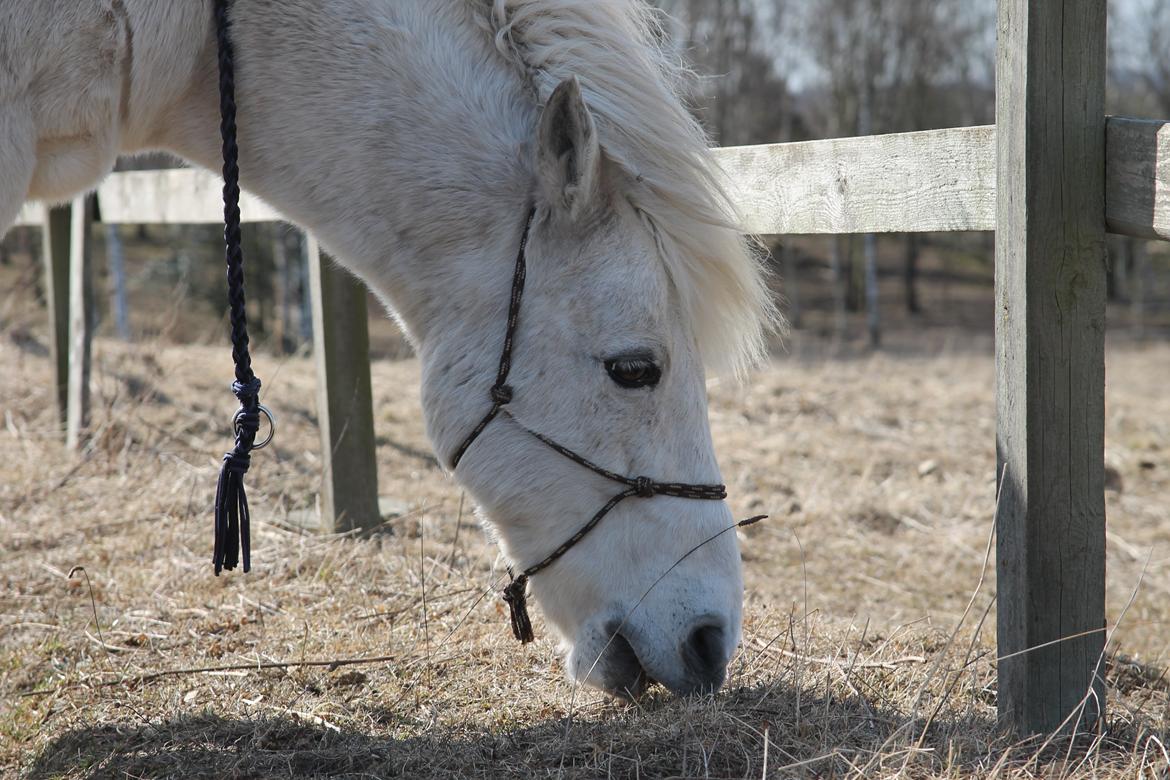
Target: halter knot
248 392
237 462
502 395
644 487
247 422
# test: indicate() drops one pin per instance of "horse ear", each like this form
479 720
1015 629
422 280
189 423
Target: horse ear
568 153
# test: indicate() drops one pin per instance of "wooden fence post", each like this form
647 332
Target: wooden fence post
56 262
345 410
81 319
1050 327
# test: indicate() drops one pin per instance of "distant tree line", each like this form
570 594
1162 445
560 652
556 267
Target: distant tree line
790 70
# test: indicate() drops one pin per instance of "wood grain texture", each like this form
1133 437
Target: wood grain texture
1050 326
345 406
1137 182
937 180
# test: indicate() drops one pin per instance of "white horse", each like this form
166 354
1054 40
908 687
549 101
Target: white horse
413 137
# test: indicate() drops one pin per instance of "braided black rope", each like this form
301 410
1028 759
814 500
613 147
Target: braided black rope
501 392
232 519
516 593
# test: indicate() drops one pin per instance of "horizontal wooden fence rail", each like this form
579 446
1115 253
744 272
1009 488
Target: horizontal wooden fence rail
178 196
929 181
1137 177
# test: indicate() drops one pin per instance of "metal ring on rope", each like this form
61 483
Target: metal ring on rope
264 410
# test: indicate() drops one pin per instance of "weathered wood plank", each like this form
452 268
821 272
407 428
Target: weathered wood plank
937 180
56 270
1050 325
345 407
81 320
1137 182
32 213
179 196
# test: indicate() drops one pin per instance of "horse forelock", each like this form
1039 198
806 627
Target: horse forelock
634 87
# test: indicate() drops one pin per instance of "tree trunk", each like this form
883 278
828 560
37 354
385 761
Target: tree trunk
258 261
910 274
117 258
855 291
788 262
872 315
1117 280
1141 272
837 263
286 291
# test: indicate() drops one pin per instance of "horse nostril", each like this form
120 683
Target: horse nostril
704 655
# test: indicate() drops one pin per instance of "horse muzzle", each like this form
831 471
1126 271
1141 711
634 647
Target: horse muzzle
628 665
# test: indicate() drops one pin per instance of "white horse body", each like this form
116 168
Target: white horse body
412 137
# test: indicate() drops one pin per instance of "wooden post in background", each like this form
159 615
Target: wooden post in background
81 319
345 410
1050 328
56 261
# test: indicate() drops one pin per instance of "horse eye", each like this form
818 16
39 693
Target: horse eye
633 372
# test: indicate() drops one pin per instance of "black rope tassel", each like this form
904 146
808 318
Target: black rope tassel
516 595
232 532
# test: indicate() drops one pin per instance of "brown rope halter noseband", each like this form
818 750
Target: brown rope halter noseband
516 593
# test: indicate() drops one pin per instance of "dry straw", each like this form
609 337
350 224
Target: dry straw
867 652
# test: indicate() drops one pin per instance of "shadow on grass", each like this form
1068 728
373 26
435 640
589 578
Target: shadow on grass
720 737
768 730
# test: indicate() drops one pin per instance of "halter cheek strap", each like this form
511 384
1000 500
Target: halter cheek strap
516 593
501 392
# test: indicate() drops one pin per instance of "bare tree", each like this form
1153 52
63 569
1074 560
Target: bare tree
892 66
1154 48
743 98
788 70
1139 85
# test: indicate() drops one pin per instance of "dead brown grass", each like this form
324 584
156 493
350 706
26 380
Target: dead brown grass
879 475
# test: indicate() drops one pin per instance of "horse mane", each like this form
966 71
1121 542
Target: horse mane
633 85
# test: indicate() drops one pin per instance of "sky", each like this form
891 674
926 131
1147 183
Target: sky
801 72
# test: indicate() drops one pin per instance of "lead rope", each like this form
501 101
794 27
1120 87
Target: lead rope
232 527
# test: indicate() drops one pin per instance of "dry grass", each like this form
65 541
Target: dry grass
879 474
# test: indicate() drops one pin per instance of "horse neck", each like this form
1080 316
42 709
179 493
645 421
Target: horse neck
407 161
